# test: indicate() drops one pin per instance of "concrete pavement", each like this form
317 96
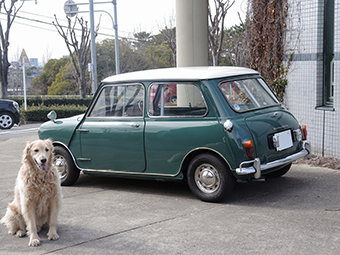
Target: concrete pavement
295 214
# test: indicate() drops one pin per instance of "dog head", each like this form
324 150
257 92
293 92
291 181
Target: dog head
39 153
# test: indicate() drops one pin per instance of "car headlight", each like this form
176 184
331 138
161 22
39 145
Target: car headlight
16 106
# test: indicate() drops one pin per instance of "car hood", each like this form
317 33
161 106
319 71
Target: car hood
60 130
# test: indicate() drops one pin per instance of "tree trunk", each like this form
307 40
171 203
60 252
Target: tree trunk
10 10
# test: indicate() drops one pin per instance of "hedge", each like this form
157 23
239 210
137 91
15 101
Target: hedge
39 113
53 100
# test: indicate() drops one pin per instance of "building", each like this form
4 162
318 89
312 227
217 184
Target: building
313 91
34 62
23 59
15 74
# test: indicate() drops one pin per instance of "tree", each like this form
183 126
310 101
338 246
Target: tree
235 50
131 58
65 82
80 58
44 80
141 41
266 32
216 31
167 40
10 10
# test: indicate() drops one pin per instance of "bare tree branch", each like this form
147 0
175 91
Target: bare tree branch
216 31
79 52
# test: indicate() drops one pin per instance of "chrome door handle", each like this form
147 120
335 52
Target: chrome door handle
134 124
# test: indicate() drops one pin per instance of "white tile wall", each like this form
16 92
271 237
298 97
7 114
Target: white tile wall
304 90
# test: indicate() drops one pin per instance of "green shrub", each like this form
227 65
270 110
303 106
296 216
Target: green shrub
49 101
39 113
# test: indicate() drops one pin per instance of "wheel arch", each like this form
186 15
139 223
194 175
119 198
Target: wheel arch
60 144
192 154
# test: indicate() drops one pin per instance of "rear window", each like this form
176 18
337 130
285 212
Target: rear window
248 94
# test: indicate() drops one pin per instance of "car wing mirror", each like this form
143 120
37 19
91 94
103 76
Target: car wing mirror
52 115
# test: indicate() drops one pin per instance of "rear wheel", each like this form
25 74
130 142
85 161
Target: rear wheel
279 172
68 172
209 178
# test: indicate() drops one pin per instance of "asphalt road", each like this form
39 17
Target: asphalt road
296 214
18 131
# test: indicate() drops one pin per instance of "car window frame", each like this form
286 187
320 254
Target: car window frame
174 116
95 100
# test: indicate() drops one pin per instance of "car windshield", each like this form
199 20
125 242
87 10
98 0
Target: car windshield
248 94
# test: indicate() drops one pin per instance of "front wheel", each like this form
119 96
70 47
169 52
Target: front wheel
68 172
6 120
209 178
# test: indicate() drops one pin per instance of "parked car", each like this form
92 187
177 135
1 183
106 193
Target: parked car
224 124
9 113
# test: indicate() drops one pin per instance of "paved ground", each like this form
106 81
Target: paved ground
295 214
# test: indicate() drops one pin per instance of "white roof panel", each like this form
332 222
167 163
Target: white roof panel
181 73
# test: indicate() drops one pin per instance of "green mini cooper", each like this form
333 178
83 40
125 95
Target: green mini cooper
206 125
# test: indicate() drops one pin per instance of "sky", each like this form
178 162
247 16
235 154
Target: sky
33 31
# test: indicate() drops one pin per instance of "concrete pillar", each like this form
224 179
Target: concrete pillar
192 32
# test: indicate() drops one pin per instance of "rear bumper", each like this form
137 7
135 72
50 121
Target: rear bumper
257 167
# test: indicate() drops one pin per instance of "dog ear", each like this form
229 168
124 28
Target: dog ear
26 151
49 143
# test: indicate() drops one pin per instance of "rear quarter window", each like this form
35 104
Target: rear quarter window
176 99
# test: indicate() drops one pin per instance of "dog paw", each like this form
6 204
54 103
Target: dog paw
20 233
34 242
52 236
10 232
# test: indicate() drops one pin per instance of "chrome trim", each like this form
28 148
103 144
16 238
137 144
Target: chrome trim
257 167
113 172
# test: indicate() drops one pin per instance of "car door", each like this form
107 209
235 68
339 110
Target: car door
111 135
178 122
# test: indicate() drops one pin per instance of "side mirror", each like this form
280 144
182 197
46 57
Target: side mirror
52 115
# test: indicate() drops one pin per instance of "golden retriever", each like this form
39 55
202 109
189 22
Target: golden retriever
37 194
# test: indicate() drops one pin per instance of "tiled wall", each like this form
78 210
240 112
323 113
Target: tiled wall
304 91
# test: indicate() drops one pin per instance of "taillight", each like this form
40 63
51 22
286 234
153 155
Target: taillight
249 148
304 132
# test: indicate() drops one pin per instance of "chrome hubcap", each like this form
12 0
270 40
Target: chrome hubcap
207 178
61 165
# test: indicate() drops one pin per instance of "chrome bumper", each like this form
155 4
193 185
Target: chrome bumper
257 167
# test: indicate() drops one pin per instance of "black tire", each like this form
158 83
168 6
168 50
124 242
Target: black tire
68 171
280 172
6 120
209 178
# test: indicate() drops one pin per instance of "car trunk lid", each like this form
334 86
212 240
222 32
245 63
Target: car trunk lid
273 134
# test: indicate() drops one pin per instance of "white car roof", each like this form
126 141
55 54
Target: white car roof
181 73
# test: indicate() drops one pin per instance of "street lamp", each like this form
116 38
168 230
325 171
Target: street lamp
71 9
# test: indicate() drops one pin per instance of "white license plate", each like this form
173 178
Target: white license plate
284 139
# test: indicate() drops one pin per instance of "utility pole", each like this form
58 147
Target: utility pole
93 49
24 81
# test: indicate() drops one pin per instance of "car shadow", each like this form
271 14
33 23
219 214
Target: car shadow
165 188
254 192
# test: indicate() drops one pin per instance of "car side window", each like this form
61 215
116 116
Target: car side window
119 101
176 99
